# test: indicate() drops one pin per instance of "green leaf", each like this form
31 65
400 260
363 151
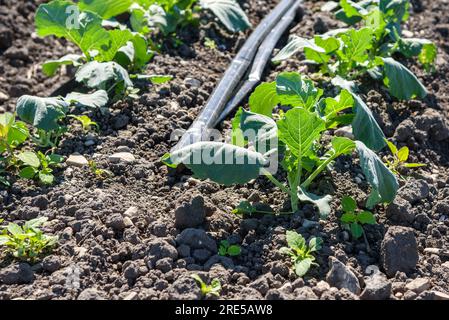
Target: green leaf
342 145
99 74
350 12
357 43
293 90
229 13
35 223
117 40
42 113
348 218
392 147
264 99
244 207
234 250
414 165
295 240
365 127
28 173
402 83
403 154
295 45
46 178
259 130
315 244
302 266
93 100
50 67
383 182
142 55
329 44
222 163
106 8
29 159
321 202
356 230
366 217
348 204
63 19
333 106
14 229
155 78
299 129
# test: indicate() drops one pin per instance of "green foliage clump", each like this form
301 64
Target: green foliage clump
27 242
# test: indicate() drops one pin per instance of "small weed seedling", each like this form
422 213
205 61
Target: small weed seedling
99 173
12 134
300 252
28 242
38 166
214 288
210 43
86 122
226 249
353 219
398 159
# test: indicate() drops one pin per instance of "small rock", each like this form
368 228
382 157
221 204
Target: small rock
127 222
190 214
377 288
3 97
116 221
345 132
226 262
132 296
123 149
195 83
196 239
91 294
414 190
260 285
184 288
165 264
131 272
159 249
201 255
419 285
120 121
51 263
399 251
440 295
184 251
19 273
125 157
340 276
400 211
131 212
76 160
6 38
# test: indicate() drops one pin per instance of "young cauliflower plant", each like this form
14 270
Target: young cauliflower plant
12 134
300 252
27 242
353 219
398 159
350 53
261 139
38 166
214 288
226 249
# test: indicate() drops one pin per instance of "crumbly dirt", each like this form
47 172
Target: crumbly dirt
118 238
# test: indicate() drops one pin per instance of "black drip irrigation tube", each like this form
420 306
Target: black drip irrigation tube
267 33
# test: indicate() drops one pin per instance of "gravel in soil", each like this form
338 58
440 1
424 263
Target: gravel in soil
128 236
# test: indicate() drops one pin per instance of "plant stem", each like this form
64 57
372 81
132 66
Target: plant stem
276 182
317 172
